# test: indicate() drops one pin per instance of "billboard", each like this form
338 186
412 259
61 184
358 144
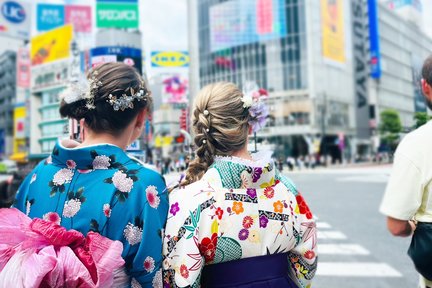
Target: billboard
375 54
51 46
333 33
396 4
240 22
50 16
19 122
23 68
15 19
130 56
117 15
80 17
169 59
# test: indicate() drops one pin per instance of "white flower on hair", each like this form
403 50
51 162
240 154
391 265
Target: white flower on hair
71 208
63 176
101 162
157 279
247 100
152 197
122 182
133 234
149 264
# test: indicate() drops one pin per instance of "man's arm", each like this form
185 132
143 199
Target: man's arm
402 228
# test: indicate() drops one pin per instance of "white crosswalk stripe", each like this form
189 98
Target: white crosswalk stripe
340 258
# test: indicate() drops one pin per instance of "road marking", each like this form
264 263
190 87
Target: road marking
323 225
356 269
342 249
330 235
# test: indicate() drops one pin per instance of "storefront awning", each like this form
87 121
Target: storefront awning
19 157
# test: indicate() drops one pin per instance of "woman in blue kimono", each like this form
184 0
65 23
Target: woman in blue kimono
94 185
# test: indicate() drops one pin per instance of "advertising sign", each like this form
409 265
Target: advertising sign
239 22
19 122
375 60
130 56
419 100
2 141
333 33
396 4
169 59
80 17
50 16
51 46
117 15
23 68
15 19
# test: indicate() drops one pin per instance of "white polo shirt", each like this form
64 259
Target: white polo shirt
408 191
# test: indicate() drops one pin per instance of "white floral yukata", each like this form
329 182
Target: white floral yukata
239 209
99 188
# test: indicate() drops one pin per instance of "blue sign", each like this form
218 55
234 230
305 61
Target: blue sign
13 12
375 54
50 16
118 1
2 141
130 56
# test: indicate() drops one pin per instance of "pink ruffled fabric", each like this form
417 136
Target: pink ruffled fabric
37 253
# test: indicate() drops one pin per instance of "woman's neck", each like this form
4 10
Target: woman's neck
243 153
94 139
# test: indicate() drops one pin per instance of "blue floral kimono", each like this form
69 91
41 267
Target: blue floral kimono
99 188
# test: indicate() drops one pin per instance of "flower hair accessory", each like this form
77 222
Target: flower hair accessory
126 101
81 89
258 110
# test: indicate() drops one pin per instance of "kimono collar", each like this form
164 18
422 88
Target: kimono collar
100 156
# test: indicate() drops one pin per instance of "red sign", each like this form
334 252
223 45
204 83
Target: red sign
23 68
80 17
264 16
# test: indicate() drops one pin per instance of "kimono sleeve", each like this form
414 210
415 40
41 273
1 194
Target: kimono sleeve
303 258
22 194
183 261
145 268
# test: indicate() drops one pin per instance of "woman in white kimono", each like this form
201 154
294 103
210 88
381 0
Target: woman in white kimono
235 221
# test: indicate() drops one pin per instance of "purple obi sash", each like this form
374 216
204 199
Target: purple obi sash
262 271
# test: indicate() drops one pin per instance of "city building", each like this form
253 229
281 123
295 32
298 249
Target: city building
7 101
317 62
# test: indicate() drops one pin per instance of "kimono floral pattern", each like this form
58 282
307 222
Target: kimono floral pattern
238 210
101 189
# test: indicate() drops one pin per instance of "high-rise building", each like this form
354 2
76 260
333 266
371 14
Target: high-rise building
7 101
325 75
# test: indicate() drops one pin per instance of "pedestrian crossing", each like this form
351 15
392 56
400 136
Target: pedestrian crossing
339 257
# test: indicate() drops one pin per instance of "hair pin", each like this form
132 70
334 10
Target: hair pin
126 101
206 113
204 141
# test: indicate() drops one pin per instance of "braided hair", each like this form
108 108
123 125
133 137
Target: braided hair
220 125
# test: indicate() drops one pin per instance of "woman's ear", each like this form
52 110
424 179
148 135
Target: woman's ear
250 130
141 117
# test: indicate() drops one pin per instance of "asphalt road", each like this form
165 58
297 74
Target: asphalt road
355 248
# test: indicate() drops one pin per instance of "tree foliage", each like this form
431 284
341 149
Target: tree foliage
420 119
390 127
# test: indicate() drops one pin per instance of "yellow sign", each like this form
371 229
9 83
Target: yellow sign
51 46
19 141
163 141
333 34
170 59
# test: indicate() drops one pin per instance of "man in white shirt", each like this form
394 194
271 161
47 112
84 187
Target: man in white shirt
408 195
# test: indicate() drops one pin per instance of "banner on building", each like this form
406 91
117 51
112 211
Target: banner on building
333 32
240 22
15 19
374 47
23 68
19 122
50 16
117 15
80 17
130 56
360 69
51 46
169 59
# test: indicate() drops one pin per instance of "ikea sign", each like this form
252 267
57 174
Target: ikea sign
169 59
